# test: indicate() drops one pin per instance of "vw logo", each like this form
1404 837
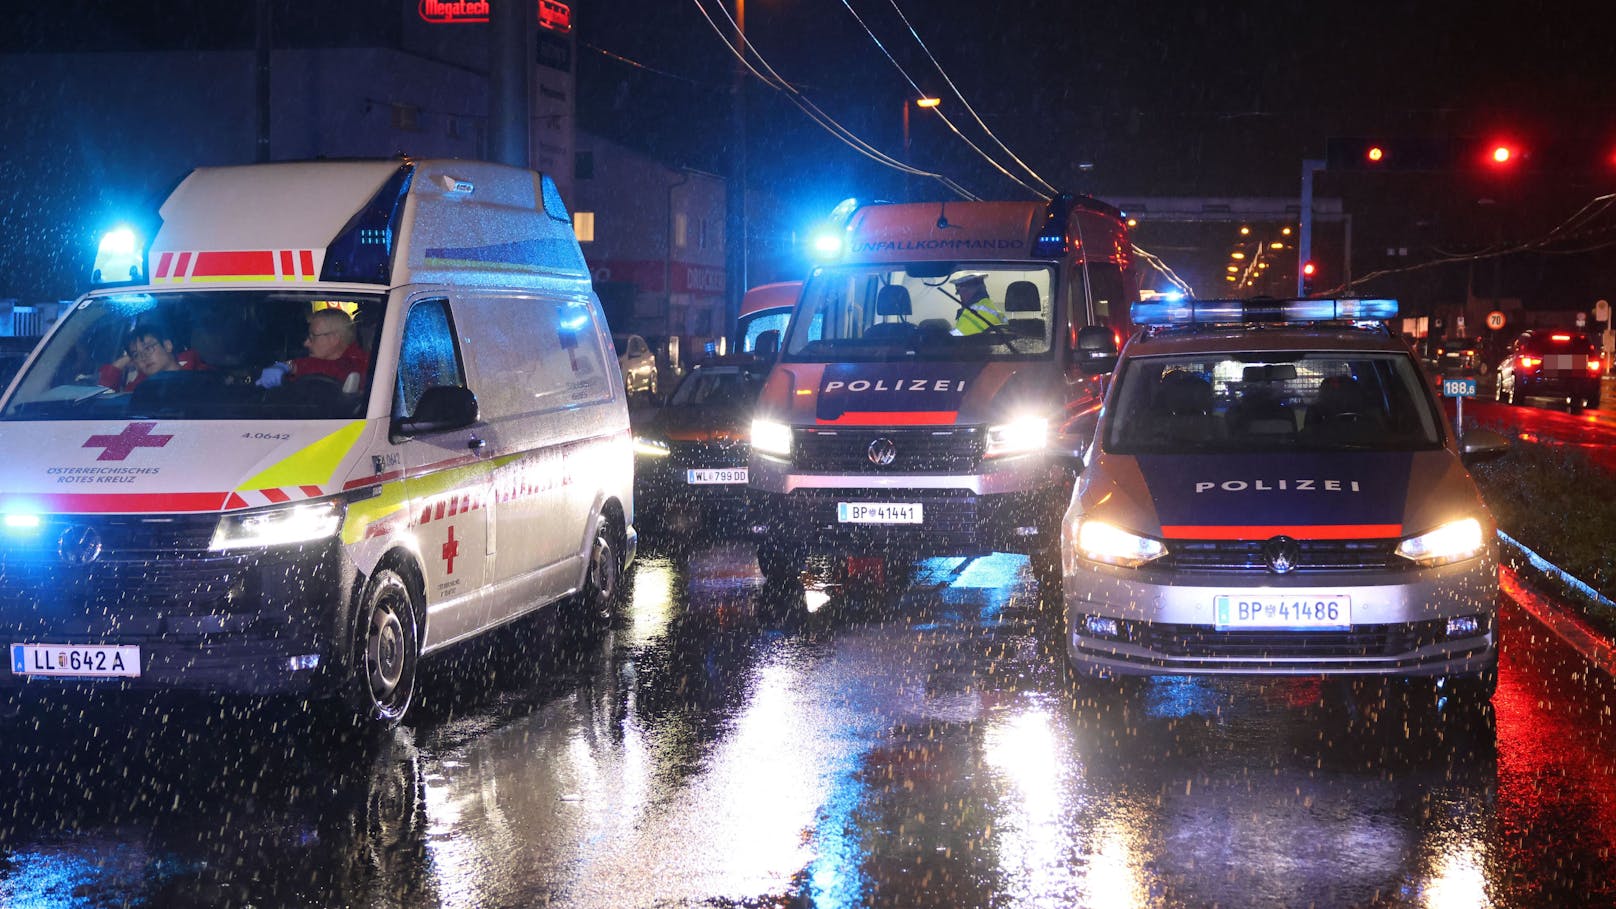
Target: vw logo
78 545
882 452
1282 553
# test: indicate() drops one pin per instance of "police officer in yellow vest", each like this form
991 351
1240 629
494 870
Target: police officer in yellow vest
977 311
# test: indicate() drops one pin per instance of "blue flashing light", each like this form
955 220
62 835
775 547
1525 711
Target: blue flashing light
22 522
827 245
119 258
843 211
1163 311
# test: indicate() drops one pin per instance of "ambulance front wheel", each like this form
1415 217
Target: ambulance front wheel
603 587
386 650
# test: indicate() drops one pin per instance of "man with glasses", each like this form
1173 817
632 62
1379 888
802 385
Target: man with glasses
334 352
148 350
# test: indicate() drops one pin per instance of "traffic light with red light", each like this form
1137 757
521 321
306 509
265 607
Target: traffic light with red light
1309 270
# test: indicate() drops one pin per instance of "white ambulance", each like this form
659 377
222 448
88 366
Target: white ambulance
358 411
930 396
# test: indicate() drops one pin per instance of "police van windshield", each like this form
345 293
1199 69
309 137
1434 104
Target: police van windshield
874 313
213 355
1271 401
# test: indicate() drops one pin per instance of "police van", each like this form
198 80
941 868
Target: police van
1273 490
349 414
928 398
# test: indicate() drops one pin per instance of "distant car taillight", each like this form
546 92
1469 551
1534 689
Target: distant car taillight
1531 362
1594 365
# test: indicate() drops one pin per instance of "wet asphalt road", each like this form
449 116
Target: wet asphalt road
720 747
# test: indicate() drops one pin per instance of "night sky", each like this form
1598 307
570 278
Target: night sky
1117 99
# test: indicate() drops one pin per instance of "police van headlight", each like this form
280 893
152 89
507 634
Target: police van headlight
1098 541
647 447
1020 436
1454 541
278 526
771 438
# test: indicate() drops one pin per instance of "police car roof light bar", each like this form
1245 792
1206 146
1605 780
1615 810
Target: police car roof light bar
1226 312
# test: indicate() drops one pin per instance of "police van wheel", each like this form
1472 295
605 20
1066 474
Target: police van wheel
386 649
603 585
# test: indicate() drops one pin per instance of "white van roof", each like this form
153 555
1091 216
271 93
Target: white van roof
390 222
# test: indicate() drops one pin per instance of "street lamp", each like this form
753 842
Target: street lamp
923 102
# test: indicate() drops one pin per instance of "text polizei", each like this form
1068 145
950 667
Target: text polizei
896 385
1301 484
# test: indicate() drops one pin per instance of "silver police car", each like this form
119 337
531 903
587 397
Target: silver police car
1273 490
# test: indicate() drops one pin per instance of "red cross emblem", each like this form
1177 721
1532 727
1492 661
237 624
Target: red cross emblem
122 445
451 549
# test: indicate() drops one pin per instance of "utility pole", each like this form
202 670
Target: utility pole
509 82
735 279
1304 244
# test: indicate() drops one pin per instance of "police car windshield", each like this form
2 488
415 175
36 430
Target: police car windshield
1271 401
878 313
213 355
729 387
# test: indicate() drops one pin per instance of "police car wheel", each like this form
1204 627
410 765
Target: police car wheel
386 650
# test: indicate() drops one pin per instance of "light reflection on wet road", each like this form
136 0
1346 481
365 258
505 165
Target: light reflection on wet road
721 747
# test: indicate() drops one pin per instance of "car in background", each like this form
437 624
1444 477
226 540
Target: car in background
765 308
1548 363
13 353
690 469
638 363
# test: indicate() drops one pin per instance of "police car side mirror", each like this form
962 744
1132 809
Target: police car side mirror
440 409
1096 352
1482 445
767 345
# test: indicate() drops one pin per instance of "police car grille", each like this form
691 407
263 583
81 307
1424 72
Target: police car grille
1191 641
685 455
1247 555
957 450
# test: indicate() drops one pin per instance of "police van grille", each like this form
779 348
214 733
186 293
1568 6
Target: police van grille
953 450
950 514
1316 556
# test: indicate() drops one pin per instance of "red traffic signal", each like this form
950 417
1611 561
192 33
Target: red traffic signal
1309 270
1375 154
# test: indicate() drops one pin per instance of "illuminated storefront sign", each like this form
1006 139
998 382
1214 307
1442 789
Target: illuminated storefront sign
553 15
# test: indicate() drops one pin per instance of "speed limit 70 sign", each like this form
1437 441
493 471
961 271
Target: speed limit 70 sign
1495 320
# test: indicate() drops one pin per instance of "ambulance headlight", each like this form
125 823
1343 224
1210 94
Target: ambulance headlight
278 526
1454 541
771 438
1018 437
1098 541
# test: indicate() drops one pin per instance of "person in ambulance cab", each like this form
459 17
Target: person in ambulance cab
334 352
977 311
148 350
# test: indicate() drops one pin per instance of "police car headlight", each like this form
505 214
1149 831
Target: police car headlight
278 526
1454 541
650 448
1018 437
771 438
1098 541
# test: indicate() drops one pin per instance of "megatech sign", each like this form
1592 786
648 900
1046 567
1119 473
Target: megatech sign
552 14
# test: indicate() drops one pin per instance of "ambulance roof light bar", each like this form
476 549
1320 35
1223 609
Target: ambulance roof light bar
1162 311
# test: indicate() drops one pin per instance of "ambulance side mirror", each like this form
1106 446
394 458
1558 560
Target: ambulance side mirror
1096 352
440 409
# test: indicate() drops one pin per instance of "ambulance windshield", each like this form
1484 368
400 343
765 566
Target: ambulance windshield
972 311
1271 401
212 355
